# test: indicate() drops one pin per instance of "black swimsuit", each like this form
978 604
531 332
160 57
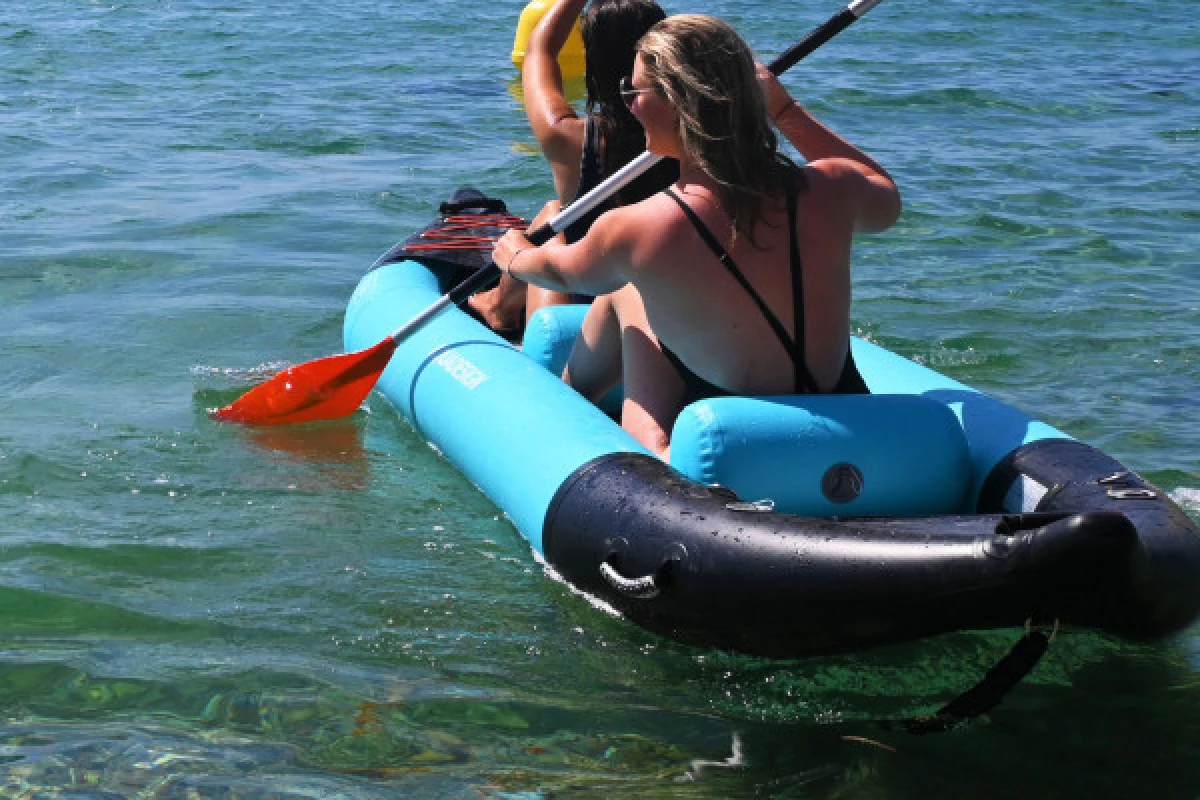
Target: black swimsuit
695 387
591 174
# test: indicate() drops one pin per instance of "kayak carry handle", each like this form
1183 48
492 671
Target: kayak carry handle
643 588
647 586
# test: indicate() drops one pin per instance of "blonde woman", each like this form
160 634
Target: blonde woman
737 279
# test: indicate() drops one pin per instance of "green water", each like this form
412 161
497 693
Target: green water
192 190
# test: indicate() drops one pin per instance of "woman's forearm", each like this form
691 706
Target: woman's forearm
876 200
810 137
535 265
592 265
815 141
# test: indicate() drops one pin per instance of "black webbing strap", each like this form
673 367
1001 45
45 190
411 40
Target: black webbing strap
468 200
987 694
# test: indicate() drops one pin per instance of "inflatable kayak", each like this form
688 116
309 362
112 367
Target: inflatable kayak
783 526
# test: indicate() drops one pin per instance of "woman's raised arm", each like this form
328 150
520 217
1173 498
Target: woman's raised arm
877 199
555 124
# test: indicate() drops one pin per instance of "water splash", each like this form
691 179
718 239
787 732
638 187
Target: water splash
262 371
1188 499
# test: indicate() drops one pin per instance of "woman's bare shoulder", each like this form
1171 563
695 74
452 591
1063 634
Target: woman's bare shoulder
648 226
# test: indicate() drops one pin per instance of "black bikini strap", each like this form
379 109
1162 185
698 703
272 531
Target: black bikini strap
804 378
592 156
727 261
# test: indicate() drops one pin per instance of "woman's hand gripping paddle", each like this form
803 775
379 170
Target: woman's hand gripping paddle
336 386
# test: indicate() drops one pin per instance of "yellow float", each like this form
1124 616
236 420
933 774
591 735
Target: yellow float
570 59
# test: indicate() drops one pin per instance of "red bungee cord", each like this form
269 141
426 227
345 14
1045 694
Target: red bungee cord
456 233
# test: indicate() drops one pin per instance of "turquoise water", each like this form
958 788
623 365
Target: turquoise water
187 610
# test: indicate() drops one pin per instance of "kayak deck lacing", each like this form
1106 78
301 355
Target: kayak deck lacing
460 232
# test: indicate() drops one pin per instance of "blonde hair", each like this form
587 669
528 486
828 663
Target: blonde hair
706 72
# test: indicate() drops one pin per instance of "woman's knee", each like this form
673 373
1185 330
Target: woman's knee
594 366
549 211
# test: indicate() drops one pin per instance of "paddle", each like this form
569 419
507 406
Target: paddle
335 386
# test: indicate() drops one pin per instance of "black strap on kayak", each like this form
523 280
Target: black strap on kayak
472 201
987 694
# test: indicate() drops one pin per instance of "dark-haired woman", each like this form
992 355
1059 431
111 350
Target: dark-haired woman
737 279
581 151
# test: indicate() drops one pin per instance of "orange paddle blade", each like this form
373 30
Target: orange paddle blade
327 388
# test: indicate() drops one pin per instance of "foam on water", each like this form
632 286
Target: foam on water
1188 499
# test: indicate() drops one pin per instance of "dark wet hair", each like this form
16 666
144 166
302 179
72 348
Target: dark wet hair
611 30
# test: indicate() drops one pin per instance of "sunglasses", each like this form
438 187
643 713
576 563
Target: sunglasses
629 92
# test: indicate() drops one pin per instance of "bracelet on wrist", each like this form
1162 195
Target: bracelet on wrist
786 106
513 260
